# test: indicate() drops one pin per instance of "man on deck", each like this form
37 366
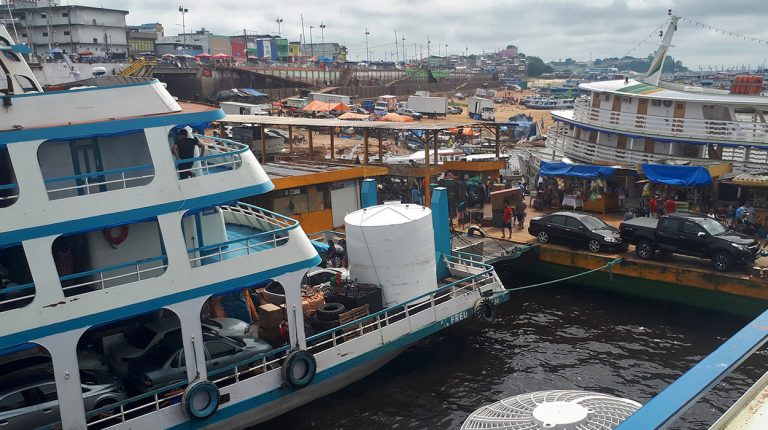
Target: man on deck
184 149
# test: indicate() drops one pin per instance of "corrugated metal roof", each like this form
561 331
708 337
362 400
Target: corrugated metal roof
316 122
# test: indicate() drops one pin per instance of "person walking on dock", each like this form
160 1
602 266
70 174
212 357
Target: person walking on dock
670 205
509 216
653 207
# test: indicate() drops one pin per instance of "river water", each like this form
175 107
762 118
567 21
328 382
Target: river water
547 338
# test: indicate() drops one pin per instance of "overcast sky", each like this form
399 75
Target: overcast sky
551 29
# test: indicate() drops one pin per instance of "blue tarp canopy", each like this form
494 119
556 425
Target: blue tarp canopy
575 170
686 176
252 92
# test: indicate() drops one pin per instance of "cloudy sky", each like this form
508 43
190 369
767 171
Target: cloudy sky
552 29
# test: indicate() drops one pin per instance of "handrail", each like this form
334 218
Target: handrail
15 289
678 127
271 360
11 195
687 389
102 280
102 173
229 151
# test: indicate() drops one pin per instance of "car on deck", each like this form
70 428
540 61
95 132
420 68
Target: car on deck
577 228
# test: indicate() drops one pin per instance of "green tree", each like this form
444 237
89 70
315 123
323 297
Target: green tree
536 66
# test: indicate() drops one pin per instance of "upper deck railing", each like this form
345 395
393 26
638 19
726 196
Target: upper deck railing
559 140
704 129
222 154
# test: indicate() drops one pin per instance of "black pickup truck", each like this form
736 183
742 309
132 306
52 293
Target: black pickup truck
687 234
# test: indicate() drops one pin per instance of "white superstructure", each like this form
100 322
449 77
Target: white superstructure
120 240
646 120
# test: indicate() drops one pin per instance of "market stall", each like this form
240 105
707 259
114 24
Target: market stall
690 186
753 188
582 186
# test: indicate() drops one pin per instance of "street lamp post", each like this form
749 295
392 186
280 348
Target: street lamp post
183 11
278 21
322 32
367 53
405 54
429 43
311 44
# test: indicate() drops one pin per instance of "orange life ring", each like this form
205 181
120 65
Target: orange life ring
115 239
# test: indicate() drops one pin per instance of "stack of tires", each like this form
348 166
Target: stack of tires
327 316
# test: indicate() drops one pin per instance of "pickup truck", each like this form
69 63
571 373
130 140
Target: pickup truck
409 112
688 234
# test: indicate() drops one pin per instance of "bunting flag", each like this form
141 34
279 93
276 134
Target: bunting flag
725 32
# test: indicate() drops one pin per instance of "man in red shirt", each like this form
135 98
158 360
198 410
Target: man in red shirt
670 206
509 215
652 207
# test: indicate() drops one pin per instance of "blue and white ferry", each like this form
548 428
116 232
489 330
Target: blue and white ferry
106 251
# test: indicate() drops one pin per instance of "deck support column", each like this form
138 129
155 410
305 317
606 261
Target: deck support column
427 190
290 140
188 313
436 147
291 283
311 144
333 148
62 348
365 147
498 150
263 145
381 157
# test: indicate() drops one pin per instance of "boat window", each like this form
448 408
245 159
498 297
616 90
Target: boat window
16 287
96 164
27 85
9 191
656 103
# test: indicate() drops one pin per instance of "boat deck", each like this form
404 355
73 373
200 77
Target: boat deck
749 412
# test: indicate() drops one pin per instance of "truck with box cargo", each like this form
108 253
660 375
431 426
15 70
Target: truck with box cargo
429 106
386 104
481 108
236 108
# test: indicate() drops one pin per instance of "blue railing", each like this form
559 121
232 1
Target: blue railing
96 182
101 280
256 218
687 389
27 292
224 154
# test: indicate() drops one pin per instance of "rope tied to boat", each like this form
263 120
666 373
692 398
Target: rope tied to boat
609 265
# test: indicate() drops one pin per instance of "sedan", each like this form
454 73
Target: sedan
164 364
28 398
576 227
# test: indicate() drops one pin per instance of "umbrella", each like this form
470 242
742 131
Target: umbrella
169 56
221 56
203 55
85 53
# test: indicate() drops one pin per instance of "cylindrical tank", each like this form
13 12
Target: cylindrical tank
393 246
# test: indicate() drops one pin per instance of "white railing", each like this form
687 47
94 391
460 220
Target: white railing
418 313
712 130
97 182
559 141
105 277
273 232
219 154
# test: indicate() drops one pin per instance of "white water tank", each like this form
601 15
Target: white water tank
393 246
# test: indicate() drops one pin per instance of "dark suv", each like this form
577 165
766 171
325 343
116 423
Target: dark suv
689 234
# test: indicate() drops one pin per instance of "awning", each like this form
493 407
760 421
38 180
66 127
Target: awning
252 92
685 176
575 170
354 116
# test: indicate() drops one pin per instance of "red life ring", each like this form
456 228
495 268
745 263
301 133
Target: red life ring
115 239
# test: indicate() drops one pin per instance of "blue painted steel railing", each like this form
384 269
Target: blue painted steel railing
273 232
686 390
16 296
96 279
96 182
224 154
171 395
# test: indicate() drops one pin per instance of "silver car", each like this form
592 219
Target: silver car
28 398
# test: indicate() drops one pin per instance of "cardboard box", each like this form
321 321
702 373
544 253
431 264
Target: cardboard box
270 316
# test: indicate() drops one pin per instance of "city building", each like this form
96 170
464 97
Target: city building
254 46
140 41
333 51
200 41
86 30
152 27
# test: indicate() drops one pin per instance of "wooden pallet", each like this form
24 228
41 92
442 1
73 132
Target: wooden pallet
349 316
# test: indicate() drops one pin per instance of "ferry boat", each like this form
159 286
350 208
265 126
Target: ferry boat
549 103
647 120
113 253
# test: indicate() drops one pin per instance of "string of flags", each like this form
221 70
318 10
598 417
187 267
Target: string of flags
653 34
725 32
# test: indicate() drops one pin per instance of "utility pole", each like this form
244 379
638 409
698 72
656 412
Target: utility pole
183 11
405 53
429 42
303 35
278 21
446 50
367 53
322 33
396 51
48 26
311 44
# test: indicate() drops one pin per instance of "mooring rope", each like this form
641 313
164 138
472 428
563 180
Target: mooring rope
608 266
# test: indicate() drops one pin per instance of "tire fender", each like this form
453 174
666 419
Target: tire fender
197 388
484 311
295 358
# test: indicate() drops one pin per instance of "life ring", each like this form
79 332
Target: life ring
485 310
475 232
115 239
299 368
201 399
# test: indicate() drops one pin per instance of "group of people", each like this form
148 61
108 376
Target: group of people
514 217
657 206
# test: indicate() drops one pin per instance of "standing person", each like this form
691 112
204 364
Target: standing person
653 208
331 259
460 208
670 205
416 196
184 149
520 214
750 212
509 216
